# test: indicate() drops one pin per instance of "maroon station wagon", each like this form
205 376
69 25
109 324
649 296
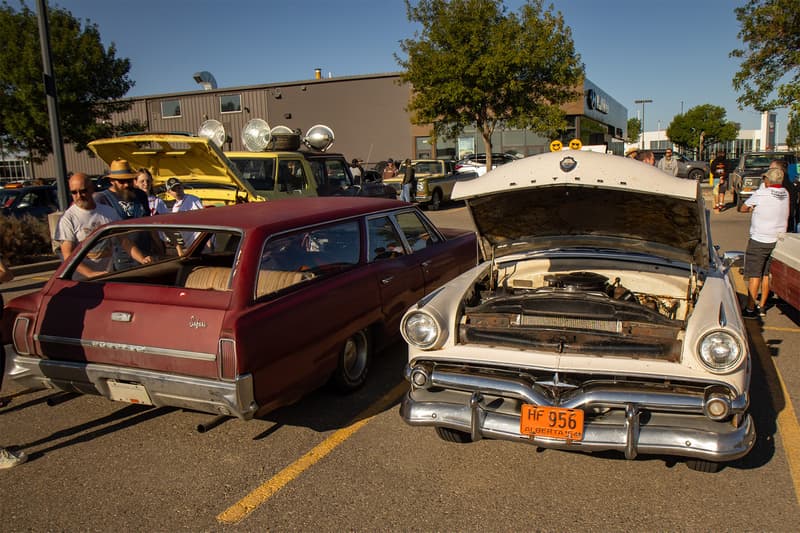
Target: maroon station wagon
243 309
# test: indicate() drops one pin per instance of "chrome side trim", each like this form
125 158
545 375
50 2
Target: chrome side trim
106 345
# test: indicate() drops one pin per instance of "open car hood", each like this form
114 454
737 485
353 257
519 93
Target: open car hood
196 161
572 199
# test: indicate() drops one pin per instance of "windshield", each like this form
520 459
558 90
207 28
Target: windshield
258 172
758 161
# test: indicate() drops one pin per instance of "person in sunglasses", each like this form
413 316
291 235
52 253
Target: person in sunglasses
80 220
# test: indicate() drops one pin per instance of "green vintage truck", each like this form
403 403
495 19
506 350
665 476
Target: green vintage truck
435 180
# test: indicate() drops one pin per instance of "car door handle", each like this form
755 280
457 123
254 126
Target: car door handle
426 264
388 280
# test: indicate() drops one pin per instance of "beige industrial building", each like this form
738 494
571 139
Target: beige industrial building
367 114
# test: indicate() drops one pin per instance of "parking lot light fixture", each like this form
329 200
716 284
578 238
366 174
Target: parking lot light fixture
648 101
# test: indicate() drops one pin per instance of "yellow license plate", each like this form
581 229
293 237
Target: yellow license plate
551 422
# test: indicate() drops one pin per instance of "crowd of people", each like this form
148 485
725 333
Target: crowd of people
129 195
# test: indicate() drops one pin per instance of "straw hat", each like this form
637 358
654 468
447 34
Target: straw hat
121 170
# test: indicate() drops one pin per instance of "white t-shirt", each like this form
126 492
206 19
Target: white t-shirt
76 224
770 213
189 202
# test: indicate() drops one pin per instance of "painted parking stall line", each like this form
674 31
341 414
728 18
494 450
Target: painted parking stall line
241 509
787 424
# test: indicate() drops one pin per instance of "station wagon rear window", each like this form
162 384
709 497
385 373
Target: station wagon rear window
191 258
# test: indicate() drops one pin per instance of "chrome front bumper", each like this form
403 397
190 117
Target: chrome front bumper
230 398
634 421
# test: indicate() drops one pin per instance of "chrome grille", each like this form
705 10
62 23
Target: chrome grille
564 322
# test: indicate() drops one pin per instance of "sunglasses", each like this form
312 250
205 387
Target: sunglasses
79 191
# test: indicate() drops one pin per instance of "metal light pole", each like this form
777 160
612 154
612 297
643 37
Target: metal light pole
642 102
52 106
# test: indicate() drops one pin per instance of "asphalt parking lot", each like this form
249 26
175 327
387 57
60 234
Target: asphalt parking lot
333 463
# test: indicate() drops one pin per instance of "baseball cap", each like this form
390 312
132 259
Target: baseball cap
172 183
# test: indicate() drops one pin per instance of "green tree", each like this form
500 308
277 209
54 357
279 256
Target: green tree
769 75
634 129
474 64
700 127
90 81
793 132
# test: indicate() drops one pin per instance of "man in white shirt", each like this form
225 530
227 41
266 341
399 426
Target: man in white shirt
183 202
770 206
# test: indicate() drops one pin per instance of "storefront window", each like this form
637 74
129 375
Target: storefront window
445 149
423 148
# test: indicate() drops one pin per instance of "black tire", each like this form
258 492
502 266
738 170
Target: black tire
699 465
436 200
354 359
453 435
696 174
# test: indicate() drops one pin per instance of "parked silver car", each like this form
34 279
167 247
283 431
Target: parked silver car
687 168
603 319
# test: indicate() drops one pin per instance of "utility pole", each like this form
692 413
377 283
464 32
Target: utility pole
52 106
648 101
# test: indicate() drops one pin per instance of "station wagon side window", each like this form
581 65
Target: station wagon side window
417 232
383 240
292 175
293 258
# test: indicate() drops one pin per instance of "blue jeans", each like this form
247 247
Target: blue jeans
405 194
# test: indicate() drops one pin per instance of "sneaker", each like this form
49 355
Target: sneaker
11 459
762 311
749 313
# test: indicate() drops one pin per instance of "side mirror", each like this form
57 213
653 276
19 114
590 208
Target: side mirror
732 258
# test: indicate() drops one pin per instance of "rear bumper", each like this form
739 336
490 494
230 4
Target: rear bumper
230 398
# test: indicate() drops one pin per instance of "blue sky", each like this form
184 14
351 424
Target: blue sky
674 53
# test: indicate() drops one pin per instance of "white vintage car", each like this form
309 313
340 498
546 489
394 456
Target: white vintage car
603 319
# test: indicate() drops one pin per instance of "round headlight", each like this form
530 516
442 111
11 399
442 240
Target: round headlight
421 329
720 351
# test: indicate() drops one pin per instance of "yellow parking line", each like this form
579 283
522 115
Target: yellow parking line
788 427
261 494
786 330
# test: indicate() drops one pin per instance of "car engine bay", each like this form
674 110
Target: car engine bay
603 312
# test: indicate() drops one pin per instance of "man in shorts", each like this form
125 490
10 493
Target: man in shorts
770 207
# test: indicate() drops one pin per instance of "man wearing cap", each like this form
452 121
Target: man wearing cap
183 202
770 207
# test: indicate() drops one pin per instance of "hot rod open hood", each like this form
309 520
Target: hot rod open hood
575 198
196 161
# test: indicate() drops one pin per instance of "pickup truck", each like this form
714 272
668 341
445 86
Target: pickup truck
435 180
330 171
746 177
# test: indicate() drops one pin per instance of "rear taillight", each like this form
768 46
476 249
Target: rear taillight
227 358
20 335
